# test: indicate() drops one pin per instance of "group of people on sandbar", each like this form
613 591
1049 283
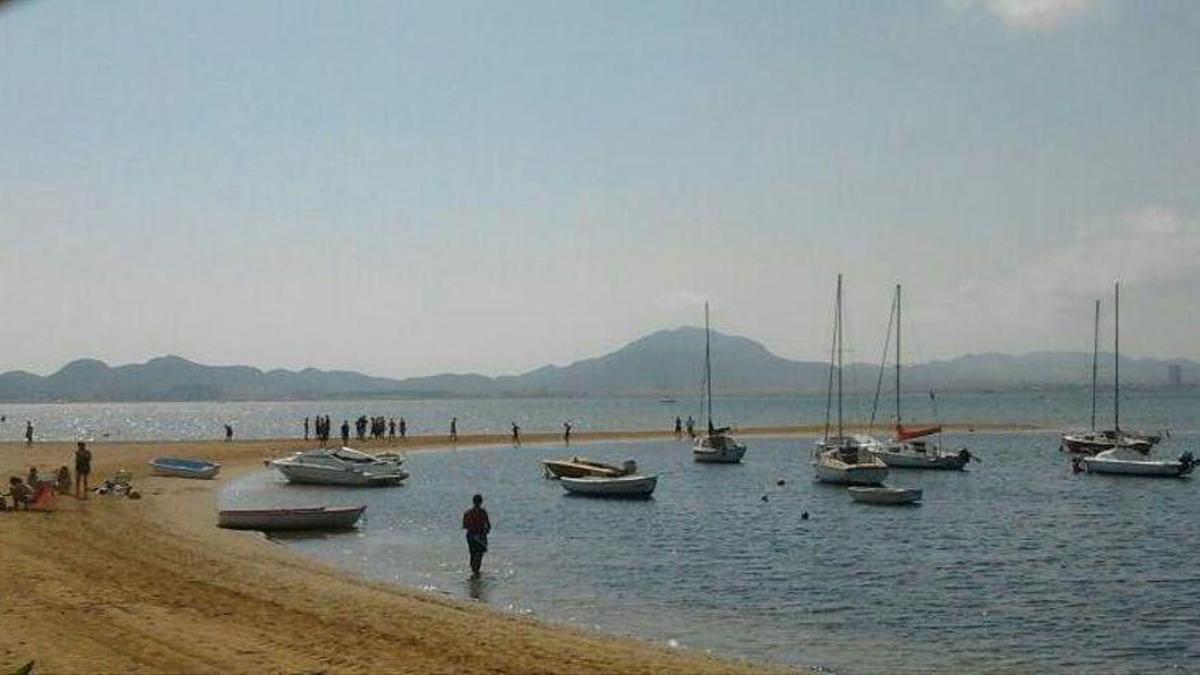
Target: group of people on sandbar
378 427
34 491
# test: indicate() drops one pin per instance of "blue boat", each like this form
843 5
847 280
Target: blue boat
178 467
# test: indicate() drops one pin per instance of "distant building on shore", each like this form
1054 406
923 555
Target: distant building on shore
1175 375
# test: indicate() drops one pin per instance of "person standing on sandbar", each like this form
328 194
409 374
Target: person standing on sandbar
28 432
475 521
454 429
83 467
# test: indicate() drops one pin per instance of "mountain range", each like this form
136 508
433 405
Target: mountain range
665 363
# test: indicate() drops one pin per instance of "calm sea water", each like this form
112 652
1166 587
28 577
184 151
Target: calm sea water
1015 566
1173 409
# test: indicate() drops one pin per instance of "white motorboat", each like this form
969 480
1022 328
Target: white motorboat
1128 462
343 466
578 467
842 459
631 487
716 446
312 518
179 467
890 496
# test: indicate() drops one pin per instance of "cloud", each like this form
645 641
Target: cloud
1038 302
1029 14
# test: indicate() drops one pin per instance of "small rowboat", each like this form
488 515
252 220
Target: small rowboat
629 487
889 496
312 518
178 467
578 467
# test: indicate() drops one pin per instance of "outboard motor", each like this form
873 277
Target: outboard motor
1186 463
629 467
1077 464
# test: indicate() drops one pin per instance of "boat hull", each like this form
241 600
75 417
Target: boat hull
316 518
627 487
886 496
318 475
718 450
579 467
168 467
1125 467
841 473
900 459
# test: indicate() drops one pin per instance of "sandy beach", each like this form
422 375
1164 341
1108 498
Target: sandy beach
151 585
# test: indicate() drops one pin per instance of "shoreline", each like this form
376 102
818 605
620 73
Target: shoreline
152 585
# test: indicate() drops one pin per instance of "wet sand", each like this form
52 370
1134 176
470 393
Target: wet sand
152 585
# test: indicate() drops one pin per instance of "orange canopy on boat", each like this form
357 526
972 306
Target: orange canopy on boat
907 434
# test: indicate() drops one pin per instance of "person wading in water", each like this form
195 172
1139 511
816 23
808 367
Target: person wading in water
476 523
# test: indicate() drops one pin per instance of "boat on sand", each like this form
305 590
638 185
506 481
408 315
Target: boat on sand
578 467
628 487
340 467
310 518
180 467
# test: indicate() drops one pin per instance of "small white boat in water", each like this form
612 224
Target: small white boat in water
312 518
1130 462
631 487
718 447
179 467
891 496
578 467
343 466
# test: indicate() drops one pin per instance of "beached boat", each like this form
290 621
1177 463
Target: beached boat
1093 442
905 449
844 459
179 467
312 518
340 467
1127 462
630 487
889 496
716 446
578 467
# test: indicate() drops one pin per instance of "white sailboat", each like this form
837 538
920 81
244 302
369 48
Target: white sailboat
716 446
842 459
905 449
1095 441
1131 457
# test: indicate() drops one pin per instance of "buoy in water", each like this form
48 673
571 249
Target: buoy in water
781 482
804 515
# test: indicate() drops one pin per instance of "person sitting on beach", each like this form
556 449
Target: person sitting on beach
62 480
477 524
83 468
32 479
20 493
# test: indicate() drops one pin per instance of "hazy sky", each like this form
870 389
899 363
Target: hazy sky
410 188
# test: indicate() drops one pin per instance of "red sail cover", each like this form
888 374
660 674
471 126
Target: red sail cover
903 434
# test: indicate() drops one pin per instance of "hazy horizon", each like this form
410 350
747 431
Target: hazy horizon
408 189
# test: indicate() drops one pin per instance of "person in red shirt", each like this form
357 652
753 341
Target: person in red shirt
475 522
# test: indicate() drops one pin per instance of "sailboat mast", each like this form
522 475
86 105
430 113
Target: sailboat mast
1117 355
897 356
708 367
838 331
1095 357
